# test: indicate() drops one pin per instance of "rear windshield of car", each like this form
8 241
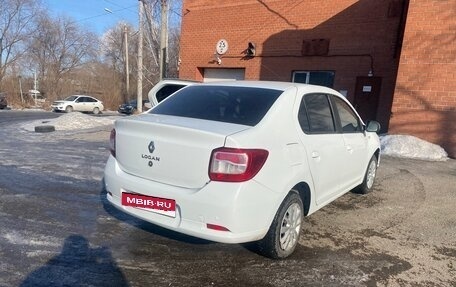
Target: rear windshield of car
237 105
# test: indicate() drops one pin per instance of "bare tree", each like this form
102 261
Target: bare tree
58 47
175 20
16 25
152 39
113 46
113 50
173 52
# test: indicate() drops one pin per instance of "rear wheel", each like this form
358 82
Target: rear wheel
96 111
283 235
69 109
369 177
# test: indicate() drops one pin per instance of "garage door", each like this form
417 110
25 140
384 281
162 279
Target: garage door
211 75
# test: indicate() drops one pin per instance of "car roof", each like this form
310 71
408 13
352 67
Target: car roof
276 85
179 82
82 96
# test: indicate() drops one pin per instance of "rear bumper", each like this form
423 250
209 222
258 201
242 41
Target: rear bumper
246 209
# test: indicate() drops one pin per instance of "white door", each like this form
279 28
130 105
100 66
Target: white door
325 147
325 154
355 145
212 75
90 104
79 104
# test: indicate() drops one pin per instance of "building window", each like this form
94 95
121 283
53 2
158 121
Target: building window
321 78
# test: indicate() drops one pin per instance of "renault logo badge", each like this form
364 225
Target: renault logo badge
151 147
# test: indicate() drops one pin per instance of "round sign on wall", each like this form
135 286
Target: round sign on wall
221 47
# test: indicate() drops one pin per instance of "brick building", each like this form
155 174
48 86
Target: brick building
424 102
393 59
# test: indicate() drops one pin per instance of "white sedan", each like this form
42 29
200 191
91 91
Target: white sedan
241 161
80 103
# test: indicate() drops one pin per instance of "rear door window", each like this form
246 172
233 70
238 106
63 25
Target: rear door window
238 105
315 114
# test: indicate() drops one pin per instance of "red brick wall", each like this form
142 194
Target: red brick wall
278 27
425 96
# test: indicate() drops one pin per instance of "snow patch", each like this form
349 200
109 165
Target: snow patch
14 237
411 147
72 121
40 253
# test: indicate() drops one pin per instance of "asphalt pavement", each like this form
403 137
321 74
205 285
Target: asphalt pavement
57 229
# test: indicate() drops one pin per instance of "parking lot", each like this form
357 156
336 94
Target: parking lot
57 228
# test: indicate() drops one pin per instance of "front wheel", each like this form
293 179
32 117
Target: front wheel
283 235
369 178
69 109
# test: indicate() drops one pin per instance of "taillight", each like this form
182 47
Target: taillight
216 227
236 165
112 142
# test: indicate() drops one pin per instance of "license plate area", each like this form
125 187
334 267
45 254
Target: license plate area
159 205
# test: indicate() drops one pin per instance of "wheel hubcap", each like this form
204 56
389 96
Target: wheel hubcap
291 227
371 174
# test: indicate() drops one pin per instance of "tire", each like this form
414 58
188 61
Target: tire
96 111
281 239
44 129
69 109
369 177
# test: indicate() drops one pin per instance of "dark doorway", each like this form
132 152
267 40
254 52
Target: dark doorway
367 93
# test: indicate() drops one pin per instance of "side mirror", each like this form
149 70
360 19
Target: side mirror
373 126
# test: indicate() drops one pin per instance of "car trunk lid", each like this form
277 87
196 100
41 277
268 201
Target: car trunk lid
169 149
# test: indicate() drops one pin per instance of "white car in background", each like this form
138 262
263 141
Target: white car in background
79 103
241 161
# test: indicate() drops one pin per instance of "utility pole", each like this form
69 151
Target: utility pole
127 68
20 88
34 87
140 60
164 39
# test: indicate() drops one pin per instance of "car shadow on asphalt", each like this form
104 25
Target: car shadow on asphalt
147 226
78 265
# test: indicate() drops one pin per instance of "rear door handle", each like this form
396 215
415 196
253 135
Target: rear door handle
315 154
349 149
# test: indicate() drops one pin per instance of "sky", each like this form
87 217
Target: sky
95 14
